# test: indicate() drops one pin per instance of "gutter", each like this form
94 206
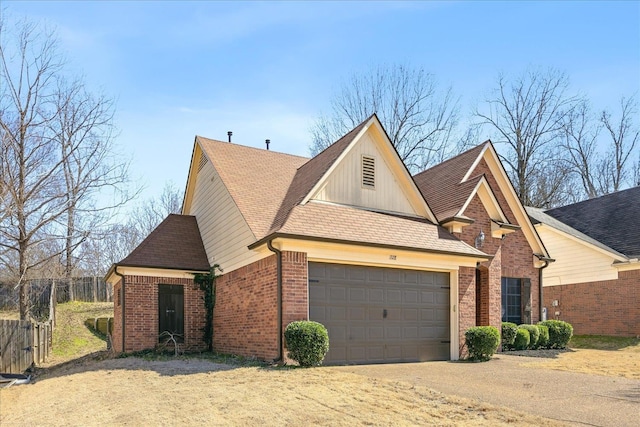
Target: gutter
115 271
278 253
271 237
546 261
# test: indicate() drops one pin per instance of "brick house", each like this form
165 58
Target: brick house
396 267
595 282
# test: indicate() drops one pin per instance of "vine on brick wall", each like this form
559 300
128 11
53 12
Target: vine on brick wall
207 284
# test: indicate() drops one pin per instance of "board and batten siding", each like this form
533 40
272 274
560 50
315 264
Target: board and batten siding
575 261
344 185
225 233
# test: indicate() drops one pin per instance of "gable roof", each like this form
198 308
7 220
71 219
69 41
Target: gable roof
271 191
308 175
174 244
613 220
449 186
539 216
443 185
257 179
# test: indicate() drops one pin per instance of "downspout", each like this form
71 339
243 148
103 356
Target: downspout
546 261
278 253
115 271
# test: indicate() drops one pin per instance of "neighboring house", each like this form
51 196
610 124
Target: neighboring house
595 282
386 261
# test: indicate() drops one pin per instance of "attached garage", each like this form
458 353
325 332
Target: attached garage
381 315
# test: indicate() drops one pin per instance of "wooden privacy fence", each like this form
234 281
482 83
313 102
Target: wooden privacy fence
88 289
22 344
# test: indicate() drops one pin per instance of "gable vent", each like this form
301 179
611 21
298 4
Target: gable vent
368 172
203 161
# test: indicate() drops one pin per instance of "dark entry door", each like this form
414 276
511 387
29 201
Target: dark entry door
171 311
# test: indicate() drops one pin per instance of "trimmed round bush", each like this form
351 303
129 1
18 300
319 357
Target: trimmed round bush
307 342
543 339
482 342
522 339
560 332
534 334
508 334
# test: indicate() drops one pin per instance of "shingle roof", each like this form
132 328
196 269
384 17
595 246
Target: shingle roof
175 244
257 179
613 220
442 184
538 215
344 223
308 175
268 187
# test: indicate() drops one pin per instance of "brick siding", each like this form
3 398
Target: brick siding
608 307
512 257
141 316
245 317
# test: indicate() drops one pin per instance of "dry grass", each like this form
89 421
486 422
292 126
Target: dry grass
600 355
134 391
71 338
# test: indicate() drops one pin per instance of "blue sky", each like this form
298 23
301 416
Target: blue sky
268 69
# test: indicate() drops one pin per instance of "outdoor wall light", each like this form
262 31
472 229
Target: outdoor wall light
480 240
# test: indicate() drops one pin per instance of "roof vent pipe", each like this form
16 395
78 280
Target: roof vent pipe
229 135
267 141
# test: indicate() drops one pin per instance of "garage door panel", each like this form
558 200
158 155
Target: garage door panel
376 315
318 314
337 314
410 296
394 296
376 295
357 295
357 313
410 314
410 332
337 271
357 274
393 333
427 297
338 333
375 333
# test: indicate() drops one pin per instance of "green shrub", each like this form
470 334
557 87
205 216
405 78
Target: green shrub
534 334
482 342
307 342
508 334
543 339
560 333
522 339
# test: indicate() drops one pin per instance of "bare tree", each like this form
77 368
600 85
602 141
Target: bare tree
113 242
83 129
48 151
418 117
616 170
581 132
528 114
147 215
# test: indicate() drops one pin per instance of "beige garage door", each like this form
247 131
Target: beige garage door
380 315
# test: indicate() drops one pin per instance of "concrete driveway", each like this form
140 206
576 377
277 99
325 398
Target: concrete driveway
577 398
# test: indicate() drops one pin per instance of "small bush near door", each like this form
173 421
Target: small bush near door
534 334
543 339
522 339
559 333
508 334
307 342
482 342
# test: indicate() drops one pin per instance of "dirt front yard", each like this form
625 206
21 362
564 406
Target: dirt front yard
133 391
